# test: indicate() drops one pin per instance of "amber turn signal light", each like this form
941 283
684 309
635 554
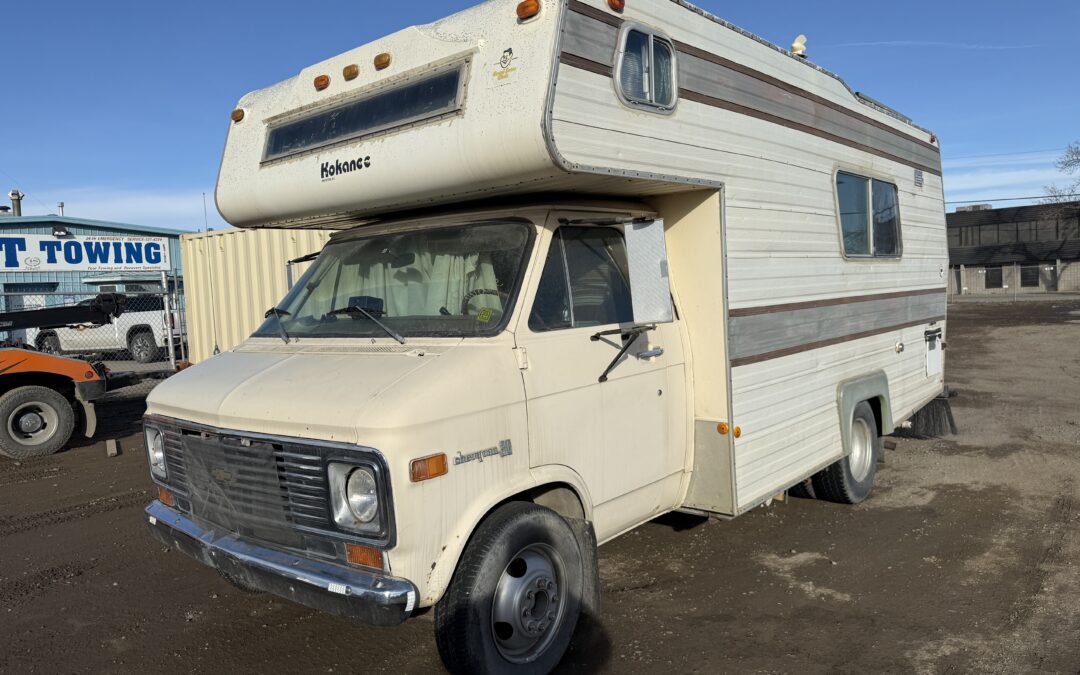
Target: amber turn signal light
431 466
528 9
617 5
364 555
237 115
165 497
322 82
350 72
382 61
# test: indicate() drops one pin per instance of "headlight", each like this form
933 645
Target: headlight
355 497
155 450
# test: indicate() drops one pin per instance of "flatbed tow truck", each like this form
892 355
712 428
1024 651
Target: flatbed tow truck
44 396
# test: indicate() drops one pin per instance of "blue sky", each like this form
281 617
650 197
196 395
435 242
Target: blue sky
120 108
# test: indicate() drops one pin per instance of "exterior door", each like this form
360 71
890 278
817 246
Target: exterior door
620 435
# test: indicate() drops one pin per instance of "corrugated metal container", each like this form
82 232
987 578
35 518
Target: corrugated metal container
232 277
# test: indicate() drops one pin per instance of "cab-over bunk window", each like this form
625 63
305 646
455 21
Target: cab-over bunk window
869 216
646 76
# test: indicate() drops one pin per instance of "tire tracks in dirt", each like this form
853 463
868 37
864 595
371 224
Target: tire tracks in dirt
21 591
15 473
33 521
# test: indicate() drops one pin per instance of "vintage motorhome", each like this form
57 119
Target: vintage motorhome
597 261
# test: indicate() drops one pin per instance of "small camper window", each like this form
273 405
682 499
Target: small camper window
646 74
869 216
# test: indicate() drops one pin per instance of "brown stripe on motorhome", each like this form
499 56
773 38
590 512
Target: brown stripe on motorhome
587 40
786 329
805 128
690 50
584 64
798 349
845 300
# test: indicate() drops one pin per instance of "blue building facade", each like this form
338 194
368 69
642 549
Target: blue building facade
56 260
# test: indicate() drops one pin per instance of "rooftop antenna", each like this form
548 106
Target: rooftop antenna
798 47
205 228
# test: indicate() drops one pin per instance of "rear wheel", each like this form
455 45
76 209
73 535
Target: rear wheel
514 600
850 480
143 347
36 421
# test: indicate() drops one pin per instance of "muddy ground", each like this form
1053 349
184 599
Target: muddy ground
966 558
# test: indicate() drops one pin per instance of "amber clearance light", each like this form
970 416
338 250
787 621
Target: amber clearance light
237 115
616 5
350 72
528 9
382 61
364 555
322 82
425 468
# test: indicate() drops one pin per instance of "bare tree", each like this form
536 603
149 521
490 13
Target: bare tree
1063 198
1068 164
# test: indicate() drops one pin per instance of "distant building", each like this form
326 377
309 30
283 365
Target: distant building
56 260
1024 249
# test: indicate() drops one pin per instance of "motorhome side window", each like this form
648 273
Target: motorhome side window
647 75
869 216
584 282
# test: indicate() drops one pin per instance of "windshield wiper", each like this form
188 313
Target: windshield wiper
279 313
353 309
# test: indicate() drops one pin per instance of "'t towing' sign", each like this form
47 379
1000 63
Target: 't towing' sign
44 253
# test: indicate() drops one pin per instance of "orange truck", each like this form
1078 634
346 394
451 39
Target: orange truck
43 397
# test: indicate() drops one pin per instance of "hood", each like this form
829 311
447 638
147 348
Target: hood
306 392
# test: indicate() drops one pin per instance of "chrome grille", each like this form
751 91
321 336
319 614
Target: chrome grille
252 488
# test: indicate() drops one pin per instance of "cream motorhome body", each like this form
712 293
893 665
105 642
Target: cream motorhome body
594 265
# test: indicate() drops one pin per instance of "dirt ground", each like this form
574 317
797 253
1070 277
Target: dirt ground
965 559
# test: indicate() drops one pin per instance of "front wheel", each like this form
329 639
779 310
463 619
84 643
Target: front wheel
514 600
850 480
36 421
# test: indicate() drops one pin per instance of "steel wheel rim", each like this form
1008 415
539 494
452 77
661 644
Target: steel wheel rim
862 453
142 348
529 605
33 423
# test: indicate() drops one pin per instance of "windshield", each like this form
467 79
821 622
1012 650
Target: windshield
453 281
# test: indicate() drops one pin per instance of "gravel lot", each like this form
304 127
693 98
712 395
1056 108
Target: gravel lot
965 559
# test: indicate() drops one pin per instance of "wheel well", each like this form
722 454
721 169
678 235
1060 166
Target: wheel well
60 383
875 405
135 330
559 497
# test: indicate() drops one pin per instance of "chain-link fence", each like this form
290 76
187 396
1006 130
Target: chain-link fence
1015 279
148 338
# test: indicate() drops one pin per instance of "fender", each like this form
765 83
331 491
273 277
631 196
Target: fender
873 387
442 570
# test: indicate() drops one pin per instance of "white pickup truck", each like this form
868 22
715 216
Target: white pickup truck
141 330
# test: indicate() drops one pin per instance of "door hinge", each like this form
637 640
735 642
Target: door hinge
522 358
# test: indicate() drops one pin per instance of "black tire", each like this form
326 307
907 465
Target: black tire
850 480
143 347
34 422
504 559
49 344
803 490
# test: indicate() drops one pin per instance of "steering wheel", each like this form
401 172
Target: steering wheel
477 292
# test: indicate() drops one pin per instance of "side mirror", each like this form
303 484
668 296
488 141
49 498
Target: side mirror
650 290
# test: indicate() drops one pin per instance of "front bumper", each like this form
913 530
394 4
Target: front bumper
364 595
